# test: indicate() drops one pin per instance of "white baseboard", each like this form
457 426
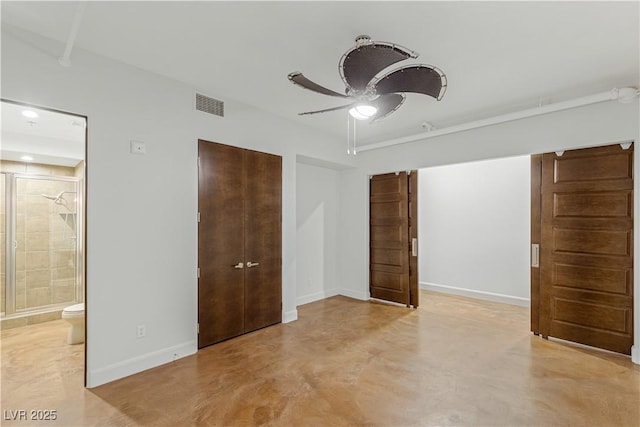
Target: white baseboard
364 296
635 354
141 363
290 316
472 293
316 296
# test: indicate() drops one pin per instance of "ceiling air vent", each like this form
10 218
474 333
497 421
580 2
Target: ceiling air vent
209 105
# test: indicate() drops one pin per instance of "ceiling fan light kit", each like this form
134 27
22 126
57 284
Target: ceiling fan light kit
363 111
373 94
360 69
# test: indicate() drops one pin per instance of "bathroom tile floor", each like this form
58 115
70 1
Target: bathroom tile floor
453 361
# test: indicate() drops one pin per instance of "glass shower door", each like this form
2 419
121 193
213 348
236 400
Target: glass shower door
45 248
3 246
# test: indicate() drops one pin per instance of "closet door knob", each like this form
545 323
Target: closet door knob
252 264
239 265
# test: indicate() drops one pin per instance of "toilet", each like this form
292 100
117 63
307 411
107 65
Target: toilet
74 314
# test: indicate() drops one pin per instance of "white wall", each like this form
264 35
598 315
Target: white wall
141 219
474 229
316 239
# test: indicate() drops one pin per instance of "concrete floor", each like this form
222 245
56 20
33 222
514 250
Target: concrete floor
453 361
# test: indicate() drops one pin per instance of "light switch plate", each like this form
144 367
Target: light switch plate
141 331
138 147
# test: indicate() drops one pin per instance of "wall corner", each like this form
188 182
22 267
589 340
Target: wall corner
290 316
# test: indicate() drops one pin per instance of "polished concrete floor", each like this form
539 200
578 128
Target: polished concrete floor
454 361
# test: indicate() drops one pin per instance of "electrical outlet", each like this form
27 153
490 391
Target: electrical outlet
141 331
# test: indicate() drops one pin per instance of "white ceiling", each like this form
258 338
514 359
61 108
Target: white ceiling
498 56
50 138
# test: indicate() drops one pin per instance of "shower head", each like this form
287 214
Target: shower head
59 200
56 199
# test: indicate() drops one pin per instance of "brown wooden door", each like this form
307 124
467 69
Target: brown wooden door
391 275
239 241
263 242
586 247
220 242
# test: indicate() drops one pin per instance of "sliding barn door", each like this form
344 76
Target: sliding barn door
239 241
393 238
586 247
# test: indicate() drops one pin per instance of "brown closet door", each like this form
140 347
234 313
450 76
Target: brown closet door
220 243
262 236
586 264
389 276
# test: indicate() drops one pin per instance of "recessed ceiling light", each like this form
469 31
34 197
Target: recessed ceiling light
30 114
27 158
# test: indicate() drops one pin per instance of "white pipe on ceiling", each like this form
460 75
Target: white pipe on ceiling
65 60
624 95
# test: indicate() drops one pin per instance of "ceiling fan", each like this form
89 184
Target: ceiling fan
373 96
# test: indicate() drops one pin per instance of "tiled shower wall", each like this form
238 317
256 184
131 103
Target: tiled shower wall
46 240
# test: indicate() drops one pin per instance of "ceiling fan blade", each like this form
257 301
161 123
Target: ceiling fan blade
418 79
326 110
299 79
387 104
360 64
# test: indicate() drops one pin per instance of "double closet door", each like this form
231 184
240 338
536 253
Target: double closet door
239 241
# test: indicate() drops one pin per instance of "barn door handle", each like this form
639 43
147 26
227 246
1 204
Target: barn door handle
535 255
239 265
414 247
252 264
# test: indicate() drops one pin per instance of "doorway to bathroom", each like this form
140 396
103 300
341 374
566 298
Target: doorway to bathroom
42 217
